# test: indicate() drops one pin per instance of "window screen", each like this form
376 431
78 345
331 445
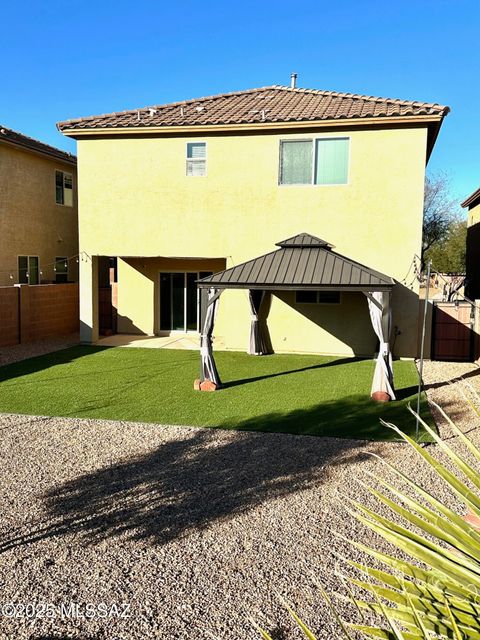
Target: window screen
196 158
296 162
67 189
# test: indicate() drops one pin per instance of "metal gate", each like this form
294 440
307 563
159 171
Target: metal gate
452 331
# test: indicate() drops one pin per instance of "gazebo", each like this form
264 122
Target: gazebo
303 262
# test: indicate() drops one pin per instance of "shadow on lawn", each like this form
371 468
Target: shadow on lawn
356 416
46 361
322 365
188 483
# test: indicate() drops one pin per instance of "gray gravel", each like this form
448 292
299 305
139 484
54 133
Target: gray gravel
39 348
195 529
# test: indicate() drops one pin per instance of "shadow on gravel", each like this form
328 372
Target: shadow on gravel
188 484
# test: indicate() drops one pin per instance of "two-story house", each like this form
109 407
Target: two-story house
472 283
179 191
38 212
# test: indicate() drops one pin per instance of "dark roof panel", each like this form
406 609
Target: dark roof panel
303 240
304 262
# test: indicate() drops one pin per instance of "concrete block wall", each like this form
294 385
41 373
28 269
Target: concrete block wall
30 313
9 316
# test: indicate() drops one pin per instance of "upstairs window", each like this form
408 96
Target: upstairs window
321 161
296 162
196 158
64 188
61 269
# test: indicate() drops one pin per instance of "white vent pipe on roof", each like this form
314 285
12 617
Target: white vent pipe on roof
293 81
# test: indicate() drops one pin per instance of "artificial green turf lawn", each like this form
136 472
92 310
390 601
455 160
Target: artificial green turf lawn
305 394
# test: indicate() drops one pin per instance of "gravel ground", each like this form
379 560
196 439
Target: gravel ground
39 348
194 529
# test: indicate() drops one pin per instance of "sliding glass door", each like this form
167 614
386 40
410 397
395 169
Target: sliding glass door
179 300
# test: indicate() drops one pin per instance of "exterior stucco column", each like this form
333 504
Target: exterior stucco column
88 299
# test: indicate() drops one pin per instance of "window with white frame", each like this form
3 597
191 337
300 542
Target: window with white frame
28 270
196 158
64 188
61 269
314 161
317 297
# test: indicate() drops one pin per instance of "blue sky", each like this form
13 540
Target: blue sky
62 60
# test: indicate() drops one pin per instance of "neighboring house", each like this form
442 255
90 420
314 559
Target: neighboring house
178 191
472 287
38 212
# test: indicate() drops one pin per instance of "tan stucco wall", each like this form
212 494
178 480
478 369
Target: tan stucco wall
474 215
139 279
472 289
136 200
31 223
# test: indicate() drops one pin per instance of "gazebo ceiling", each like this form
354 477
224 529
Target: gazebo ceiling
302 262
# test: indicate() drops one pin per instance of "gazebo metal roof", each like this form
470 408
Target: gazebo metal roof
302 262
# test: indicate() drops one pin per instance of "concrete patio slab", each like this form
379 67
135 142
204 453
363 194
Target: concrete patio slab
180 341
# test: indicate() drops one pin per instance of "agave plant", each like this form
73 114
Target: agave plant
436 593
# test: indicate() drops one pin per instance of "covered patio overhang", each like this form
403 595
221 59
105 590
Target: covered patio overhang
302 263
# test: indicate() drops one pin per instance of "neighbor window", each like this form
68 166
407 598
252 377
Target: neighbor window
64 188
320 161
28 271
61 269
318 297
196 158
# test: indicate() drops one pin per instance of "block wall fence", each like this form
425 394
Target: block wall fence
33 312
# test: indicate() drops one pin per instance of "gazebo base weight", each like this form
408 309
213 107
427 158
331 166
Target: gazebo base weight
206 385
380 396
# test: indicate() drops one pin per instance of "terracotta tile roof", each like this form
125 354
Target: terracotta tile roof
472 200
268 104
21 140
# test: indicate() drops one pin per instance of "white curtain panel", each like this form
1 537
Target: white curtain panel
208 366
381 317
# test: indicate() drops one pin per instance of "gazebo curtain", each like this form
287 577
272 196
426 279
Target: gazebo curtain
259 344
208 369
381 316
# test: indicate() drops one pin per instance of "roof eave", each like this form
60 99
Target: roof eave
433 132
296 287
472 199
74 132
42 152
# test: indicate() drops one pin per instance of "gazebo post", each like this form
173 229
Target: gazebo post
209 378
